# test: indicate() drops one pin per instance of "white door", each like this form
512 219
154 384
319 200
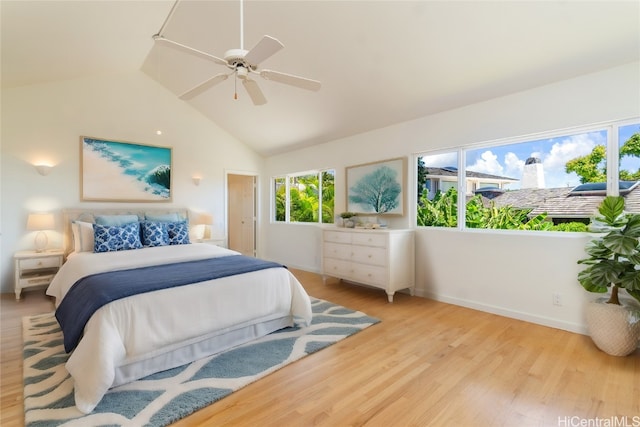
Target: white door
241 194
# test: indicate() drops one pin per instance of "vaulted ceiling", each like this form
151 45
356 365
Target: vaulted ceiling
380 62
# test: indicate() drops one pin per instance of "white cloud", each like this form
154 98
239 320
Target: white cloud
554 154
441 160
569 148
513 165
487 163
561 152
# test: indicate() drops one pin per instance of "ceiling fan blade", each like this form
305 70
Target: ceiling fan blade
290 79
191 50
264 49
197 90
254 92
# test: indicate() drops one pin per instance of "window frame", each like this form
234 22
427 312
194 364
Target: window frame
287 178
612 149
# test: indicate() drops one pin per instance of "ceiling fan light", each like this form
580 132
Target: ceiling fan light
242 72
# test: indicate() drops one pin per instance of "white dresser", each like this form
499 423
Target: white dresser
381 258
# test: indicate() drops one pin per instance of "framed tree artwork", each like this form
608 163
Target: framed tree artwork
118 171
376 188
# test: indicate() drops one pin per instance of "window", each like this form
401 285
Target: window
629 154
531 184
437 190
306 197
280 196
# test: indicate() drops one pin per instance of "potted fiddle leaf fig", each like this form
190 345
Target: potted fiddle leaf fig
613 263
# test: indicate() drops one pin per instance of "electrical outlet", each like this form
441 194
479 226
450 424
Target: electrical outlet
557 299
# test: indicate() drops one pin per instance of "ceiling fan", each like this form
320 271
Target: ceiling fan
242 63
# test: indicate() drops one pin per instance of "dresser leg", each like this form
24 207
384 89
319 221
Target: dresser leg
390 296
326 279
18 292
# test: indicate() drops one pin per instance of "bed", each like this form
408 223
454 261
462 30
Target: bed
136 334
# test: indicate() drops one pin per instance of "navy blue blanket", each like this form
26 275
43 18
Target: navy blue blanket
92 292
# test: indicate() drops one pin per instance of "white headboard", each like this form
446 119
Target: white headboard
88 215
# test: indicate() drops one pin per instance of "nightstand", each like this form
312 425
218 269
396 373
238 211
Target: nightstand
35 268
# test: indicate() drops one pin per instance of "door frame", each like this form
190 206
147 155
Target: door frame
256 198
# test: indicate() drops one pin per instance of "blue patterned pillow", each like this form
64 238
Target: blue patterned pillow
178 233
113 238
154 233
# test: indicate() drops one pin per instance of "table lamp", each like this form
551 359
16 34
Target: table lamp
203 221
40 222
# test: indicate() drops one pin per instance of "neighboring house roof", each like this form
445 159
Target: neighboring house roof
632 200
531 197
453 172
555 202
560 203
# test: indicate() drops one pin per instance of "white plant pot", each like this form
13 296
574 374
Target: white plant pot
615 329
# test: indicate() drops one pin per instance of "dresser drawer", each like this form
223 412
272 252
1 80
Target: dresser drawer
370 275
337 237
337 268
37 263
369 255
369 239
336 250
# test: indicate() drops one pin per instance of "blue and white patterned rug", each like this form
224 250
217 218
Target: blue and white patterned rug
163 398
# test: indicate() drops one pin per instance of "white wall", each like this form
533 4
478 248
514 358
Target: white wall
44 123
508 273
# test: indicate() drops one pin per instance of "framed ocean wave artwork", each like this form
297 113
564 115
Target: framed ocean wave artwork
118 171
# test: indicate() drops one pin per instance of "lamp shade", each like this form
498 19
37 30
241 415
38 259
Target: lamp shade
40 221
203 219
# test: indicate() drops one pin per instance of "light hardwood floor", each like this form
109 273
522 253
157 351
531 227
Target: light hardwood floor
426 364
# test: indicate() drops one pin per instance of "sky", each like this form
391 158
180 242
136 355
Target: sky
509 160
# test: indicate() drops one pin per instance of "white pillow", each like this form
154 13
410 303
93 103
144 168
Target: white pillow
83 240
75 232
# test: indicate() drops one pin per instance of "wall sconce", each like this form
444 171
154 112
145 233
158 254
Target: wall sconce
43 169
40 222
196 180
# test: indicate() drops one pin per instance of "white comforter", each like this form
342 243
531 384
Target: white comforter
146 325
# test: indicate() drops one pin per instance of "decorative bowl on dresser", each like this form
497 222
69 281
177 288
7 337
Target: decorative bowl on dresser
381 258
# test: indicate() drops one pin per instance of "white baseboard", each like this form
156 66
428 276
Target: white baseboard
527 317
